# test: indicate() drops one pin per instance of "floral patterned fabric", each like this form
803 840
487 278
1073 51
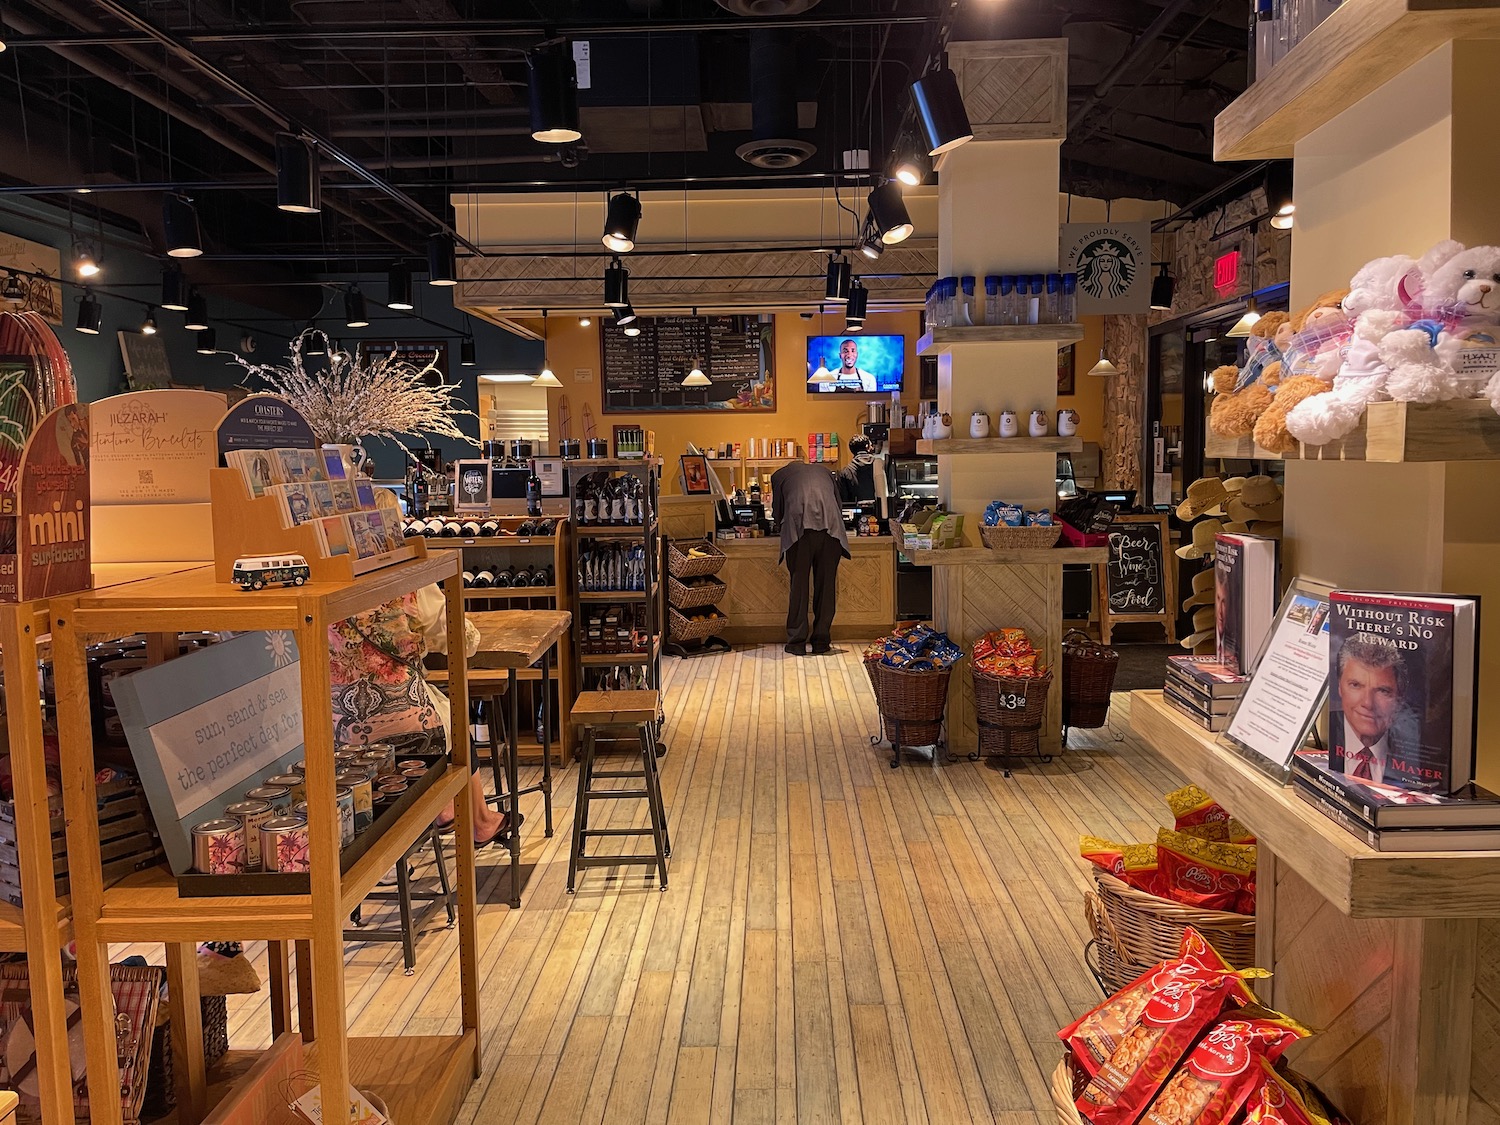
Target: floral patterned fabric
378 686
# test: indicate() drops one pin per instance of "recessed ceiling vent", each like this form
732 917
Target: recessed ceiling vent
773 103
768 7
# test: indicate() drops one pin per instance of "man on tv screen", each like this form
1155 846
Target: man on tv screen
850 376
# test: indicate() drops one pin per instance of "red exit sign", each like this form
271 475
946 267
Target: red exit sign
1227 270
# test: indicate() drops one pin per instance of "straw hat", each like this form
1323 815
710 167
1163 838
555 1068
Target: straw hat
1238 510
1203 540
1232 486
1237 528
1203 590
1202 495
1270 529
1203 628
1259 490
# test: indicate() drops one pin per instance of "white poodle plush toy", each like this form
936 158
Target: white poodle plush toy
1376 304
1453 349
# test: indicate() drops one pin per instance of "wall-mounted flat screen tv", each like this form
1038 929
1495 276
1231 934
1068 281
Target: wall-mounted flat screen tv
859 364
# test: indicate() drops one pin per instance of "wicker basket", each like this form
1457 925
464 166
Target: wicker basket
1134 930
1063 1096
911 703
679 565
683 629
1088 677
161 1090
1019 538
1009 712
683 596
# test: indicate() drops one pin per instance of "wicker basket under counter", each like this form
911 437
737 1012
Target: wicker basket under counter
681 565
690 595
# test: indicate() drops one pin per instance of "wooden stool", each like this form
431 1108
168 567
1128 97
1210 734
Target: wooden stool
403 895
596 711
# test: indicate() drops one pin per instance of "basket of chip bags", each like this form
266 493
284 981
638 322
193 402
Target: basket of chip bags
1008 526
1010 694
909 672
1088 678
1199 875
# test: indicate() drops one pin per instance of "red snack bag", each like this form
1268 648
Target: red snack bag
1205 874
1135 865
1239 834
1190 806
1223 1070
984 647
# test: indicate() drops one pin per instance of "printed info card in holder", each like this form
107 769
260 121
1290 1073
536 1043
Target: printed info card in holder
207 726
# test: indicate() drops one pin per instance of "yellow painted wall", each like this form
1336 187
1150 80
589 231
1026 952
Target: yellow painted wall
1089 397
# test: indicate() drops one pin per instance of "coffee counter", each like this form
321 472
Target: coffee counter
759 587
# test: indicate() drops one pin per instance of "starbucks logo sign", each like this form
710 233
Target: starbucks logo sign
1113 265
1106 267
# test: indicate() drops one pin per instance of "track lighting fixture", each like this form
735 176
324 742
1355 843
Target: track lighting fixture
1279 195
466 352
174 290
836 287
299 189
84 261
913 165
888 210
1163 288
442 260
354 309
148 326
616 285
196 319
624 315
632 329
208 342
859 303
398 291
1242 326
13 290
1104 368
584 321
553 83
870 244
940 109
313 341
621 222
90 315
179 222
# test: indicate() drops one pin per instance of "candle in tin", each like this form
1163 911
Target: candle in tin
251 815
386 752
299 768
412 773
344 799
283 844
294 783
219 847
279 797
363 787
411 764
393 786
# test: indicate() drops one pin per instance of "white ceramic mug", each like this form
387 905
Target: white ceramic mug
944 428
1009 425
1067 423
1037 427
979 424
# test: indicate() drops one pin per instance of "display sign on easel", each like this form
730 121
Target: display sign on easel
1138 585
264 422
44 522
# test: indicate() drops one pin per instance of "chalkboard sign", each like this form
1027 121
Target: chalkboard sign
1140 575
645 372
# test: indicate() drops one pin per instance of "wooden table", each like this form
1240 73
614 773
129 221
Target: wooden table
513 639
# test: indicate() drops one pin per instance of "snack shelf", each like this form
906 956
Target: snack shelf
938 447
940 341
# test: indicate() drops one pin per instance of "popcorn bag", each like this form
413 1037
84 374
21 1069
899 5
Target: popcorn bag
1223 1069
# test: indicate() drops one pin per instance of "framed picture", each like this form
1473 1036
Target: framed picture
473 493
1065 359
695 480
550 470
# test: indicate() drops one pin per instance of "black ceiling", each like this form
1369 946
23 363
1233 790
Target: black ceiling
423 97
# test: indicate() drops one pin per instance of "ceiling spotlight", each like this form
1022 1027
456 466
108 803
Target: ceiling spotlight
354 309
632 329
298 186
179 221
84 261
442 260
1279 195
584 322
913 164
208 342
836 287
398 282
859 303
624 315
13 290
621 222
90 315
174 290
196 319
1242 326
313 341
1163 287
1103 368
616 285
553 83
870 245
148 326
889 212
466 352
940 109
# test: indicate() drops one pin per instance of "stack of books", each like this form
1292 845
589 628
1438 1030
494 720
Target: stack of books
1204 689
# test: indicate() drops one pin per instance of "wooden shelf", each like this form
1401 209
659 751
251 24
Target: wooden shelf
1360 881
510 592
779 462
980 556
615 595
589 464
493 541
929 447
605 659
943 340
1414 432
615 531
1236 449
1355 51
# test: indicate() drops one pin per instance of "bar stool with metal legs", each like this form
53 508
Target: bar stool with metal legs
618 711
404 896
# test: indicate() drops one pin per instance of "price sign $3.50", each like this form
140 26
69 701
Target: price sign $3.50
1012 701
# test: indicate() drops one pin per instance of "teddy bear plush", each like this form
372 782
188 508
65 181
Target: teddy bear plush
1377 306
1310 360
1453 349
1242 394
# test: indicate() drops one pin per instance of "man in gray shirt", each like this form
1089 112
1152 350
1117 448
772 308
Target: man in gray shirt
805 506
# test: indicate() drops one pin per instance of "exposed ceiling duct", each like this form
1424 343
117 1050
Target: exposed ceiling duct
773 104
768 7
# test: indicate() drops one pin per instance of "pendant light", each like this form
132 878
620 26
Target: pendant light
208 342
621 222
196 319
13 290
442 260
398 289
174 290
696 377
466 352
1242 326
913 165
553 83
1163 288
870 243
625 315
632 329
888 210
1279 196
84 261
90 315
546 378
354 309
859 303
179 222
313 341
940 109
822 374
299 189
148 326
617 285
836 287
1103 368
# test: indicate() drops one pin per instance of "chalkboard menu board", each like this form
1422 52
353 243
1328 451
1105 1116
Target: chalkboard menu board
1136 574
645 372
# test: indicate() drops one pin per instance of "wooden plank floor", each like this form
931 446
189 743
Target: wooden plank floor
841 942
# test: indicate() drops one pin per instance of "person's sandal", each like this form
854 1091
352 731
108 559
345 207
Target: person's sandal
502 834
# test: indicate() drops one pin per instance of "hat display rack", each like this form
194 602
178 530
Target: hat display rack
1232 506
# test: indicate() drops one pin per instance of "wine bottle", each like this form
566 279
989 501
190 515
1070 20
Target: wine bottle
433 528
521 577
468 579
451 529
533 492
471 529
484 579
479 725
490 528
412 528
503 578
542 576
